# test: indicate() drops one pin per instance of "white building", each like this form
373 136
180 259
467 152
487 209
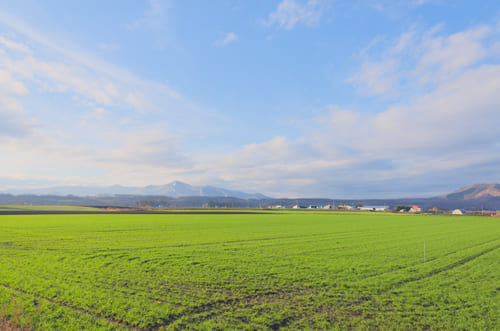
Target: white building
458 212
374 208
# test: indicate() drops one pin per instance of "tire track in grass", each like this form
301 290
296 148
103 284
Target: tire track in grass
442 269
120 323
224 305
428 260
243 241
221 306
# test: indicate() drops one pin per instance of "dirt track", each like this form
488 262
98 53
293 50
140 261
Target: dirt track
129 212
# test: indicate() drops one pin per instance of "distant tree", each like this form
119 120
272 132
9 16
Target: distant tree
402 207
223 204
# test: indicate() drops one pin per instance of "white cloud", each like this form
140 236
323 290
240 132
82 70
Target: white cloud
422 60
229 38
448 54
133 156
12 123
96 114
289 13
18 47
145 146
377 78
11 86
63 78
66 49
457 109
394 8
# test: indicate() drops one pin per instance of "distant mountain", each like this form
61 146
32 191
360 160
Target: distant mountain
173 189
180 189
476 191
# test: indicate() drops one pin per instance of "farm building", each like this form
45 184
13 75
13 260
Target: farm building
348 207
374 208
458 212
415 209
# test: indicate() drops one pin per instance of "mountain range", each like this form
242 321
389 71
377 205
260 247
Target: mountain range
174 189
474 197
177 194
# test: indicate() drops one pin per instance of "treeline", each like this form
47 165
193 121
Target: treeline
152 203
223 204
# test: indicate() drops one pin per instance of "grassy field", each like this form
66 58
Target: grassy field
262 271
45 207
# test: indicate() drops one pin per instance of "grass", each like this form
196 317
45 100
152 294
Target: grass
263 271
46 207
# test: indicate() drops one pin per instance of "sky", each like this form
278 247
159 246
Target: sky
289 98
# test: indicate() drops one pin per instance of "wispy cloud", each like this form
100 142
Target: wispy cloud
290 13
18 47
12 123
229 38
421 2
154 17
376 78
422 60
65 48
109 47
155 20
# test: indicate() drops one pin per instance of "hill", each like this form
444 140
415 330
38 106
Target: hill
476 191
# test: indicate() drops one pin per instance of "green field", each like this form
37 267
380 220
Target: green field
262 271
45 207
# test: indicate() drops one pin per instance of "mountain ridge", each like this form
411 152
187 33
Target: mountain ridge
173 189
177 189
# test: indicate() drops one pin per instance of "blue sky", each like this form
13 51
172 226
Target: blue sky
290 98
